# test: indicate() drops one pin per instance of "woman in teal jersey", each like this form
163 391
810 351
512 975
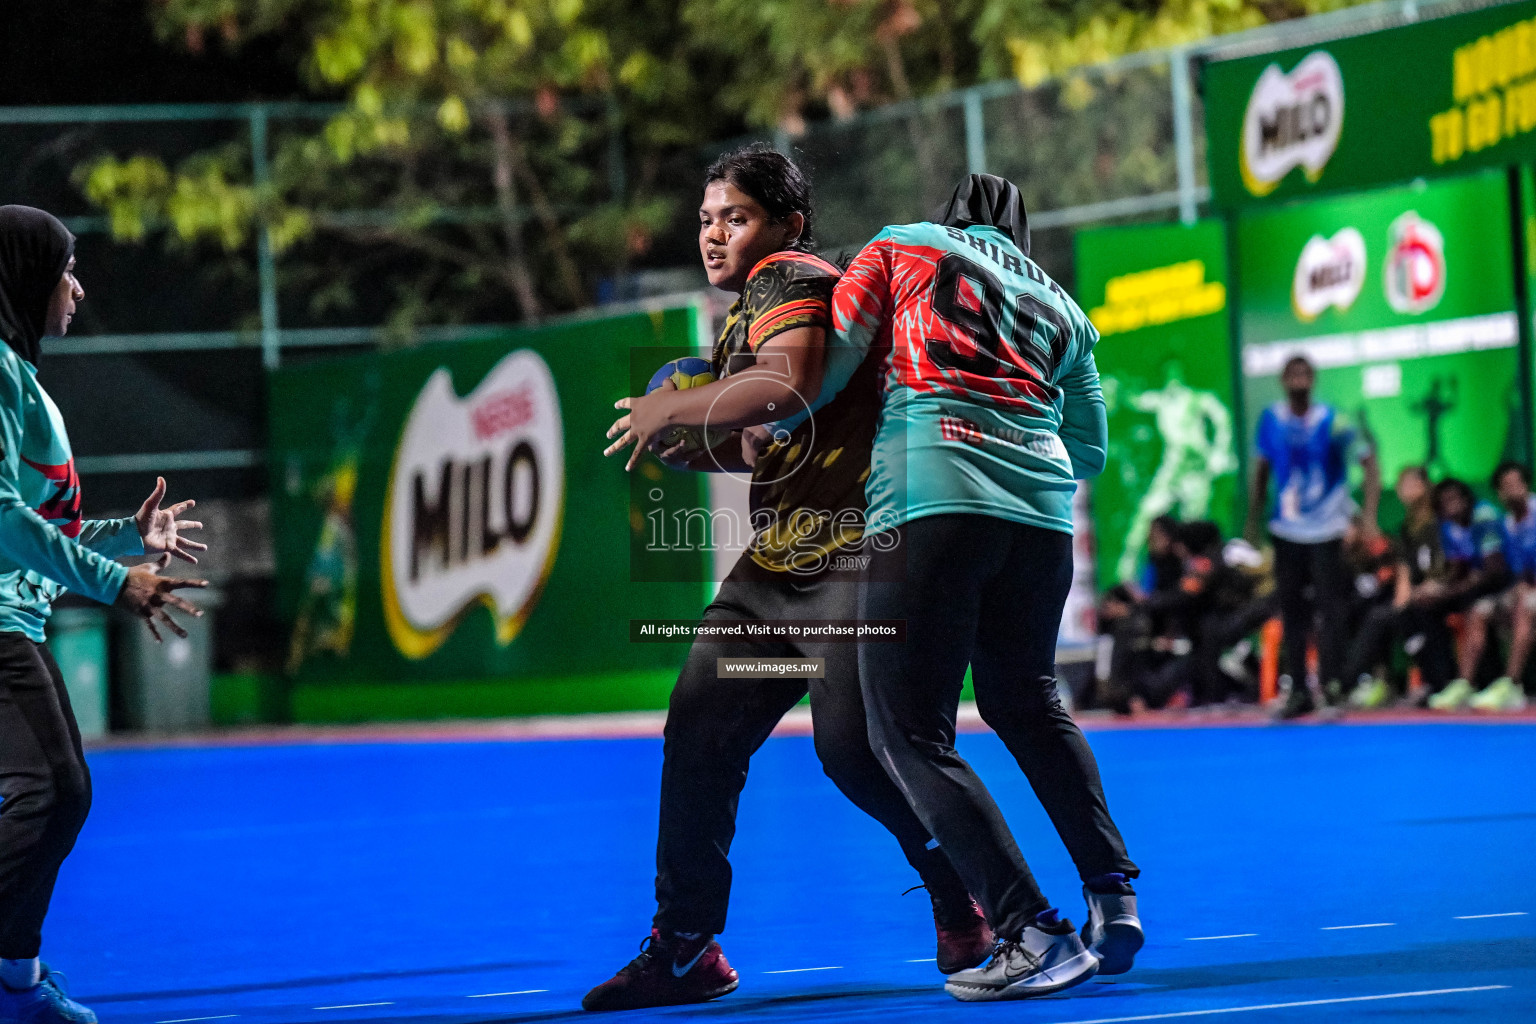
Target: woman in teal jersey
991 411
46 547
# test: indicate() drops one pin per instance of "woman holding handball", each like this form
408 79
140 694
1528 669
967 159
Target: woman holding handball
807 501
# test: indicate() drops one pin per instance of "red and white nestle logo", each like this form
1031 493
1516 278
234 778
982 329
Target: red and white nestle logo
501 412
1415 268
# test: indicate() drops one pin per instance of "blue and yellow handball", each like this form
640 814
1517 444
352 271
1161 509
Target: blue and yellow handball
688 372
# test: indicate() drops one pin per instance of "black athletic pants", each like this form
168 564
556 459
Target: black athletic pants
985 592
1420 629
1131 660
1219 632
1424 627
1313 587
715 725
45 786
1214 634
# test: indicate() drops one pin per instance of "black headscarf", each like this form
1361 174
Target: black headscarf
34 251
990 200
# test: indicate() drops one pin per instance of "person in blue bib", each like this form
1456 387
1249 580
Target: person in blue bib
1470 540
46 548
1511 611
1306 447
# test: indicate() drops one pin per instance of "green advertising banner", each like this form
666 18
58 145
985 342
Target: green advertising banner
1525 253
1438 97
1158 296
1404 300
449 537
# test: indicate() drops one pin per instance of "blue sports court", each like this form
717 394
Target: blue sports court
1347 872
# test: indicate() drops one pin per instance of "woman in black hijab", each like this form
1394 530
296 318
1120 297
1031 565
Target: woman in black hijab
47 547
985 200
992 410
35 255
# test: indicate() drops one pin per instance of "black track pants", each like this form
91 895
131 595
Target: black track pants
715 725
45 786
1313 586
980 591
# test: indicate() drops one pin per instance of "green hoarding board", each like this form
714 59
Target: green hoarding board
1439 97
1525 253
450 538
1404 300
1158 296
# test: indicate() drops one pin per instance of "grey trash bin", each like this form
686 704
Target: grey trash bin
165 686
77 638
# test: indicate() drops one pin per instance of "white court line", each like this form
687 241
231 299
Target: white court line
925 960
1479 917
351 1006
1346 927
1287 1006
519 992
1208 938
185 1020
802 970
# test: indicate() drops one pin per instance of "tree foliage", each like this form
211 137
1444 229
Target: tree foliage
802 55
469 164
472 166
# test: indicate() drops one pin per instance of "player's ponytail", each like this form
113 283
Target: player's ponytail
771 178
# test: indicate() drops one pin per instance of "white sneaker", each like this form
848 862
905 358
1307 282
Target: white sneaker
1371 693
1503 694
1037 964
1456 693
1113 932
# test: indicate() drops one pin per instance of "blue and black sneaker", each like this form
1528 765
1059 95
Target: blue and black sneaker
47 1002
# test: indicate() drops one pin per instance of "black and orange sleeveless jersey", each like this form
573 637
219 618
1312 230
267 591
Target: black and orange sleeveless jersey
807 492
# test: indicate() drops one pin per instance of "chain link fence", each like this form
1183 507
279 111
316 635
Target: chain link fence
1099 144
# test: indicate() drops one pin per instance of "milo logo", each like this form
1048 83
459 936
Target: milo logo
1293 120
474 505
1330 272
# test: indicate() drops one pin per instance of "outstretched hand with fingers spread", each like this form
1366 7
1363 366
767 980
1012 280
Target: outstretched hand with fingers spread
640 426
146 594
161 529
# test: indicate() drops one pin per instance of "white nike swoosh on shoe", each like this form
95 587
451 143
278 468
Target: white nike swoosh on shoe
678 972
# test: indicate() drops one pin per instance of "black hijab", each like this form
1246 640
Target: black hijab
34 252
990 200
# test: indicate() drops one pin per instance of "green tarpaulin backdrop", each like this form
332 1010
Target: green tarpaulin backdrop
1440 97
1159 298
507 584
1435 381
